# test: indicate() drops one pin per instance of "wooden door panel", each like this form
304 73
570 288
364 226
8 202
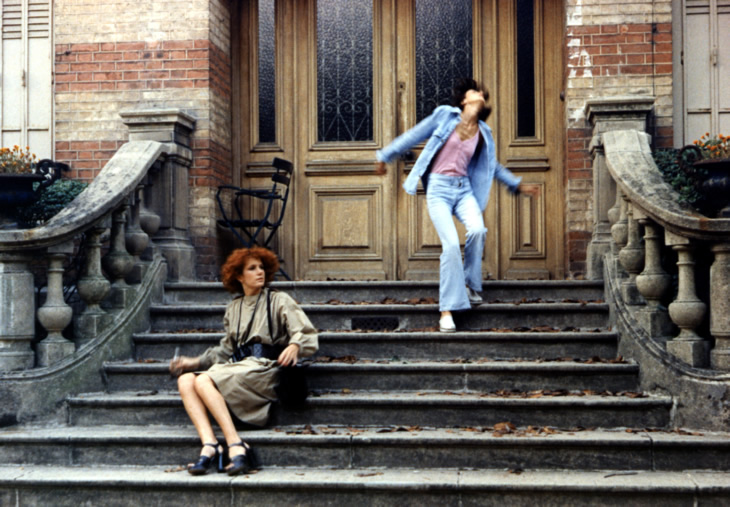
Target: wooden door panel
345 222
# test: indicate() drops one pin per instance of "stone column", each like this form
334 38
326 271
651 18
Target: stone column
687 311
720 307
615 113
55 314
17 312
170 190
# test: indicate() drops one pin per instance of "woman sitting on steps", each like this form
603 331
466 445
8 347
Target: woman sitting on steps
263 329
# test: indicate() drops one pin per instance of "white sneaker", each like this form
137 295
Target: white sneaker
446 324
474 298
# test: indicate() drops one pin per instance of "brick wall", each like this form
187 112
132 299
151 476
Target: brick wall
614 47
116 55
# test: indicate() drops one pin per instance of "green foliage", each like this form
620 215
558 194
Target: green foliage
667 160
52 200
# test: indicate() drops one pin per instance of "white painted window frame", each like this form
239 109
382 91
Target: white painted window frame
35 98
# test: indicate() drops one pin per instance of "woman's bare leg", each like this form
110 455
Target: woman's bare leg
197 412
216 404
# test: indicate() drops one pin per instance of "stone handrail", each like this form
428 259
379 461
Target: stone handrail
115 182
680 336
127 207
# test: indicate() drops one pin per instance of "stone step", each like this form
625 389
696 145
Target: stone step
403 375
413 345
393 447
307 292
588 316
63 486
398 408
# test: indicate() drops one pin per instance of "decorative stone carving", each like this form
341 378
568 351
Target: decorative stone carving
55 315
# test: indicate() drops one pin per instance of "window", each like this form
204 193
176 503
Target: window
26 94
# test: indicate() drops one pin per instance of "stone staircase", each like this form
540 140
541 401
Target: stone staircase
529 405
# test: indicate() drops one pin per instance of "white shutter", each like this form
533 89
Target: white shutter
706 69
26 87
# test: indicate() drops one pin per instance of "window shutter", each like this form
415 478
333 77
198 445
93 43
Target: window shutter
26 95
706 50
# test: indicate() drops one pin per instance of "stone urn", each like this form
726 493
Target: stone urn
18 190
711 178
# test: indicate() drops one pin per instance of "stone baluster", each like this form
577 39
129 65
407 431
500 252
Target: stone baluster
55 315
136 239
118 262
620 234
614 211
93 288
631 257
17 325
720 307
687 311
654 283
149 221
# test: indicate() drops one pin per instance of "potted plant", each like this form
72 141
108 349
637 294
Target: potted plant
707 163
22 179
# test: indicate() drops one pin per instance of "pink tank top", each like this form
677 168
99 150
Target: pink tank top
454 157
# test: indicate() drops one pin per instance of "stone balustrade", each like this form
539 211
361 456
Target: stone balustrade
660 228
121 213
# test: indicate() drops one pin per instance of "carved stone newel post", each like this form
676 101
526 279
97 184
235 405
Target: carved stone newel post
606 114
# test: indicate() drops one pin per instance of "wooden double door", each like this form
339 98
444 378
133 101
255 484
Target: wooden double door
326 83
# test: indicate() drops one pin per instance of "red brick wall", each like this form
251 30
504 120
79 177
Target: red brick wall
123 66
618 59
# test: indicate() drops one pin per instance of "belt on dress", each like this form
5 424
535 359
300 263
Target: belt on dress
256 350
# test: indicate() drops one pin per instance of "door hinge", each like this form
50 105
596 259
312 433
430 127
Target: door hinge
23 78
713 57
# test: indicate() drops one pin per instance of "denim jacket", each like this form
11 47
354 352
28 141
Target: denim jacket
437 128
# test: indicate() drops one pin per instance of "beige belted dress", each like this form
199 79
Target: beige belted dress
248 385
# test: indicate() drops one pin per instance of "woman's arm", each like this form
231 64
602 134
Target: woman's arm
408 139
302 336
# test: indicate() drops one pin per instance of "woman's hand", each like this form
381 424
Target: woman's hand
380 168
180 365
531 190
289 355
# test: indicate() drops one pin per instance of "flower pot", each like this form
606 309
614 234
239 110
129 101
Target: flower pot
711 177
716 186
16 190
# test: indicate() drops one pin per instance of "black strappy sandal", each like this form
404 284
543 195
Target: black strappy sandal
204 462
243 462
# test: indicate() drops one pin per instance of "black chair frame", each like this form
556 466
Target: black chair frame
268 224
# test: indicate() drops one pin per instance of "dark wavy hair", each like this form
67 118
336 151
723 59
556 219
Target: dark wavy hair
235 263
458 93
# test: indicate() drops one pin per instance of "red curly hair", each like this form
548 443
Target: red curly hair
235 263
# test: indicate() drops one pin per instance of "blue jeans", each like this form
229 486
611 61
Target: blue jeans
447 196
